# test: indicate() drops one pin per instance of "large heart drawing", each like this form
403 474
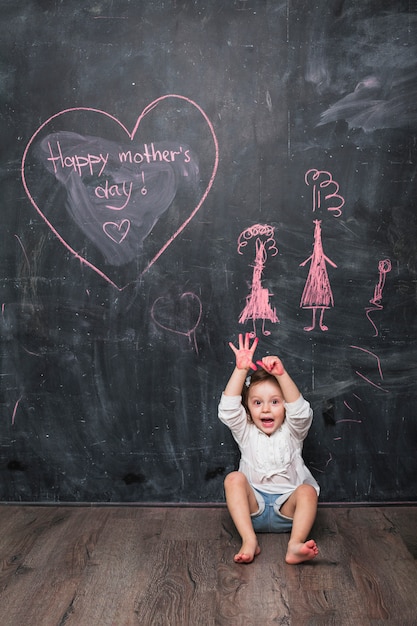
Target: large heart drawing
116 190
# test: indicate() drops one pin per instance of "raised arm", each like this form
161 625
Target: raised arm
273 365
244 362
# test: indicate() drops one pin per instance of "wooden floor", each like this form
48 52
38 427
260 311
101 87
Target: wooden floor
122 566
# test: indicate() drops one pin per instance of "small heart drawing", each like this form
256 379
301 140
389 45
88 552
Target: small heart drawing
117 231
102 192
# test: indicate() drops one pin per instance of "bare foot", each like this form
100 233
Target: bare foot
247 552
300 552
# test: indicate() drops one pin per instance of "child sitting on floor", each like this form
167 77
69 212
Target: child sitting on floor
273 491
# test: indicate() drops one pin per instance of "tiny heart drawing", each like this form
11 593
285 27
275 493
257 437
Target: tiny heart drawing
117 231
116 190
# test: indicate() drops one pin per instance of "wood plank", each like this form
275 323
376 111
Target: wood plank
133 566
181 586
123 558
55 547
323 591
249 592
404 521
382 570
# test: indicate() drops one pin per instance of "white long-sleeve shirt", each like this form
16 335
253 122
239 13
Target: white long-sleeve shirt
271 463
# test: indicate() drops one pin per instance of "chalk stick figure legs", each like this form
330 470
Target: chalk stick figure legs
322 326
253 334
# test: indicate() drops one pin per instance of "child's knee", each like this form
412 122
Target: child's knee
234 479
307 492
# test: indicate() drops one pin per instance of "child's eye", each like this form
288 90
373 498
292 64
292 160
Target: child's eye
275 401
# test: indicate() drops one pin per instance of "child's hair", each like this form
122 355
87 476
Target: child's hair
257 377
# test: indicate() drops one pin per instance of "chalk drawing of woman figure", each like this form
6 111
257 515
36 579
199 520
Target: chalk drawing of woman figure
257 302
317 294
384 266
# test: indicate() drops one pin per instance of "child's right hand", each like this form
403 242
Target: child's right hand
244 354
273 365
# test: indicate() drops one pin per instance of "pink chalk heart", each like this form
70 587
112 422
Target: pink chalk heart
102 192
180 315
117 231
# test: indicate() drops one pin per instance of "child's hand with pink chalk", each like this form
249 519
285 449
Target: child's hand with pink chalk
244 354
273 365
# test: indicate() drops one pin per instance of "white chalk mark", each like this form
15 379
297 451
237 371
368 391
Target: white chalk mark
24 251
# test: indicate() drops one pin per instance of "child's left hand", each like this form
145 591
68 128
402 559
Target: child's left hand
272 364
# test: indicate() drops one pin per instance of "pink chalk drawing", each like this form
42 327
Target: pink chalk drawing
116 191
325 191
348 420
384 266
180 316
317 294
117 231
257 302
329 460
15 410
379 368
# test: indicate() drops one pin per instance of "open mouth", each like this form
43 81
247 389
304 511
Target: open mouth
267 421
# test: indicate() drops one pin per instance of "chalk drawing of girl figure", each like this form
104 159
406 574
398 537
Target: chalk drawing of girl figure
317 294
257 302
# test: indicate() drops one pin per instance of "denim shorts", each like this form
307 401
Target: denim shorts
268 519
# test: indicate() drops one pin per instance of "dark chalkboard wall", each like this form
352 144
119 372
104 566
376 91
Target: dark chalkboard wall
176 172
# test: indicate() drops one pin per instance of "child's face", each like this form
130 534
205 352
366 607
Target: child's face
266 406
